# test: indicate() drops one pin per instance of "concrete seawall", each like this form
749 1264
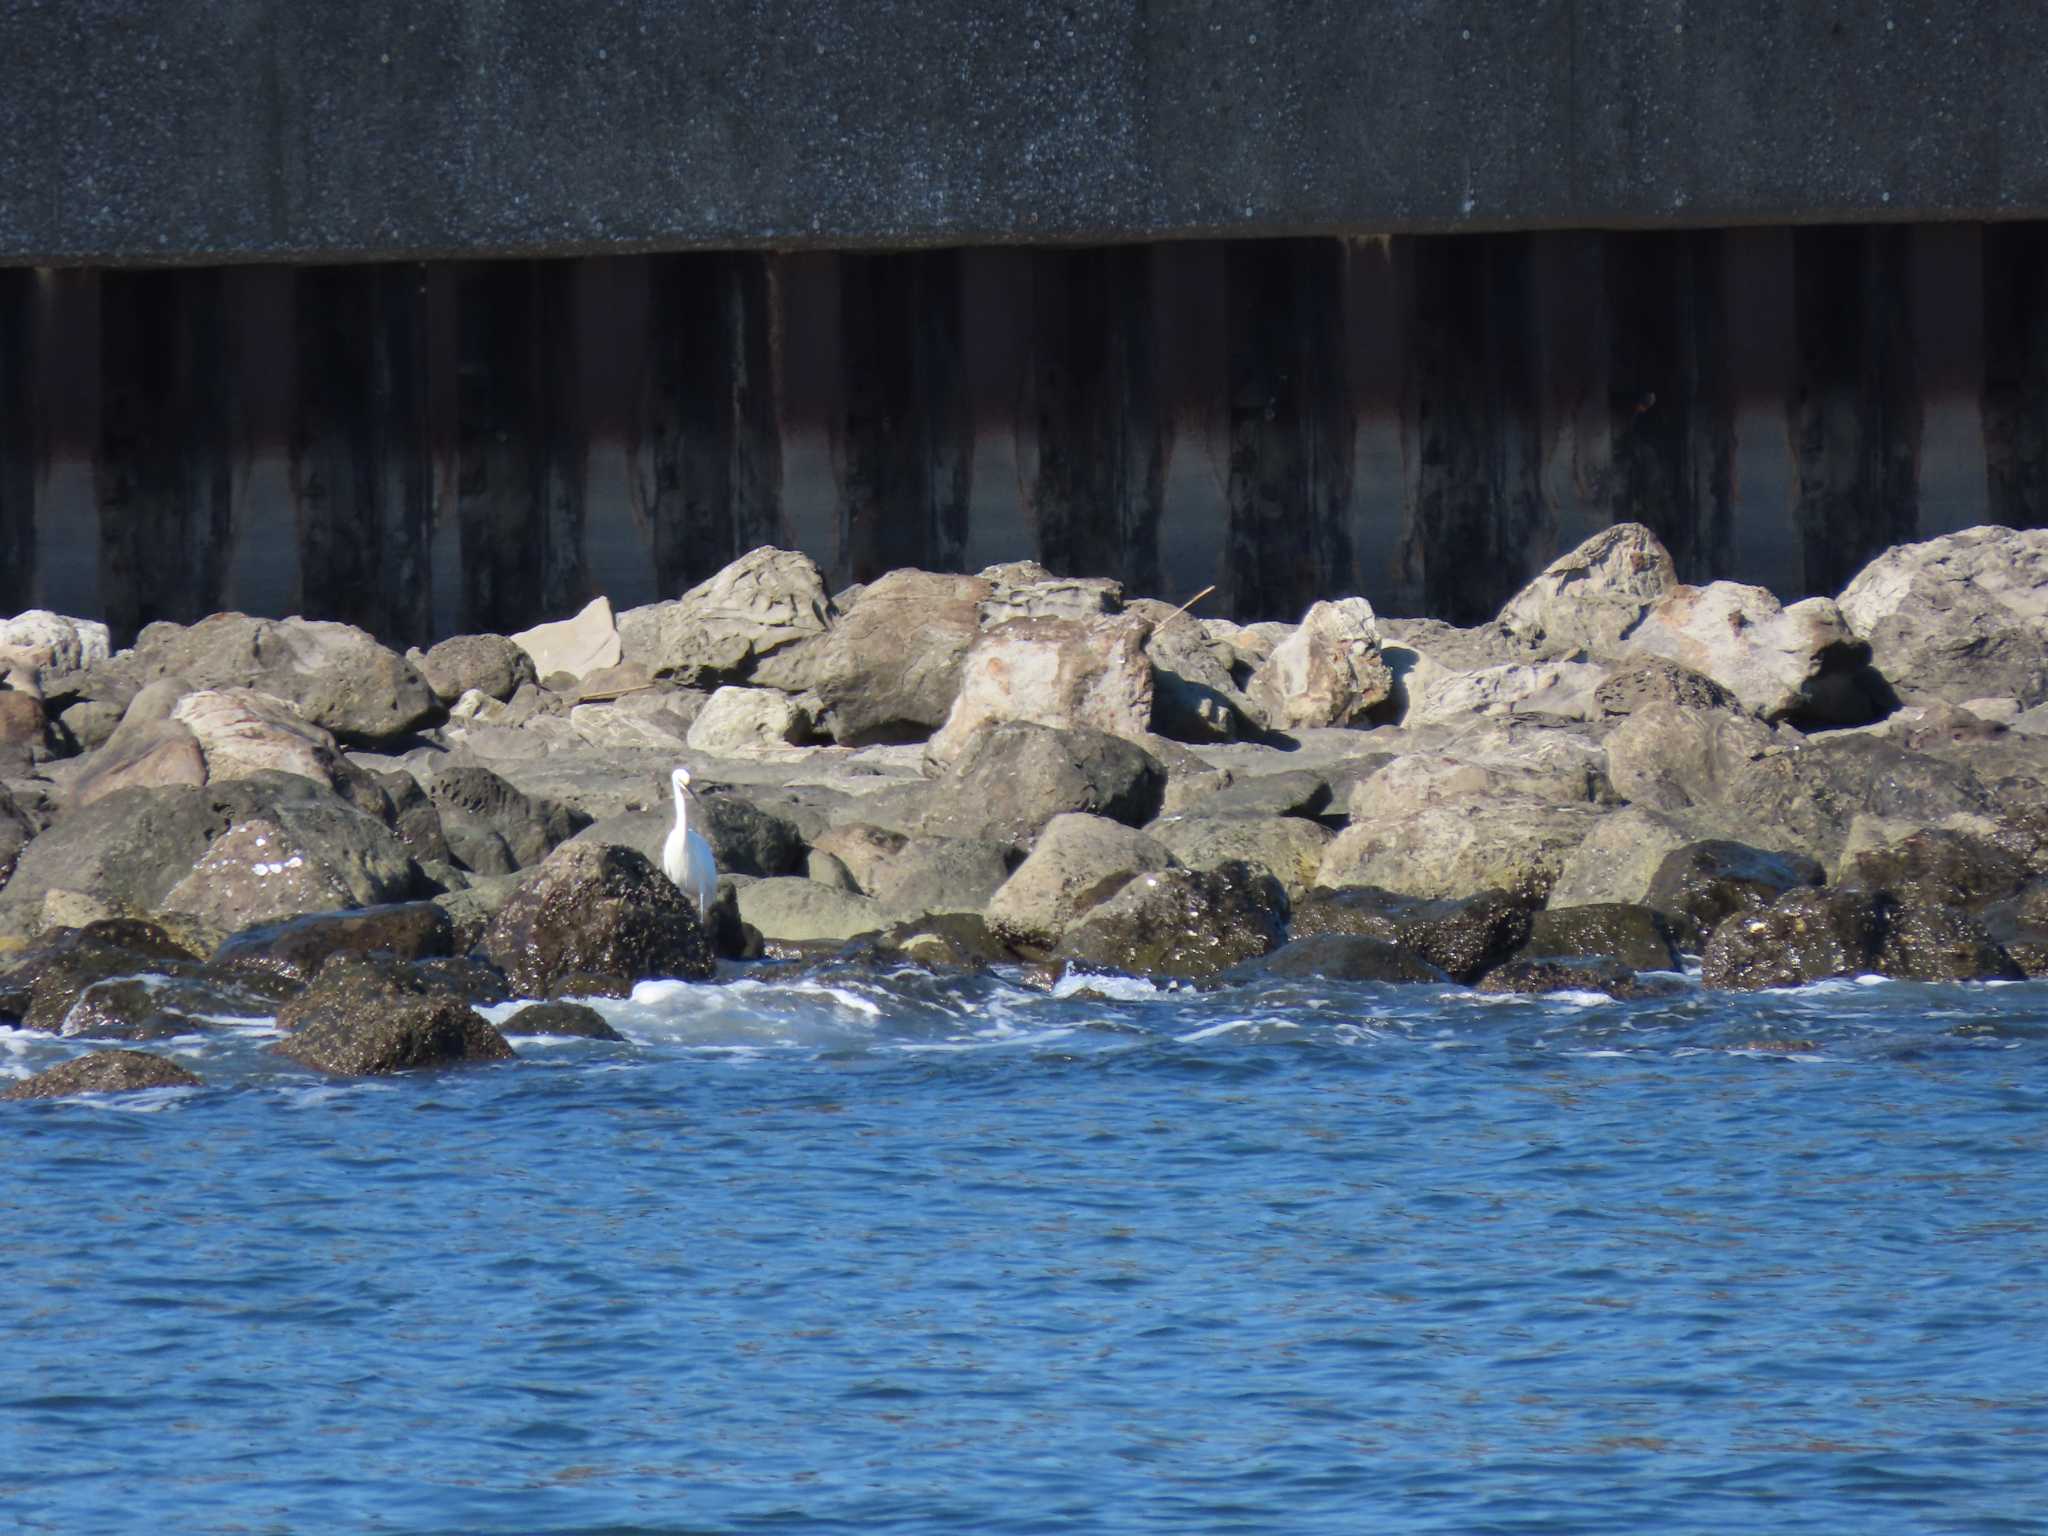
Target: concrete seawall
257 130
426 449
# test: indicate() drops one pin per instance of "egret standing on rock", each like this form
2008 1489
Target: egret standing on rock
686 857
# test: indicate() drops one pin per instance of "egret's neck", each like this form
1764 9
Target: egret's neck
682 806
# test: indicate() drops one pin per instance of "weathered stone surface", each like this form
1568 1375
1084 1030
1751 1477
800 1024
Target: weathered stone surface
1566 690
494 828
49 645
1618 857
1958 617
1461 938
789 909
104 1072
1537 974
1925 942
602 914
575 1020
1460 847
1588 600
147 750
1024 589
24 731
1288 848
15 831
937 875
1078 862
1349 957
337 676
127 848
241 732
1669 757
578 645
1290 792
1561 770
737 722
744 838
47 981
394 1035
1640 937
1064 673
948 941
765 601
488 664
1806 935
297 948
646 722
1704 883
413 819
863 849
1807 799
1328 672
1939 866
1632 686
1798 663
1195 696
90 722
889 668
257 872
1015 777
156 1007
1181 922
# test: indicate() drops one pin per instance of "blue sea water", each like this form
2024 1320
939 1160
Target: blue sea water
909 1254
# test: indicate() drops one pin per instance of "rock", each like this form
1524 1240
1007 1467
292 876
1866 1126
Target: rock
930 876
738 722
1461 938
1566 690
1195 696
492 827
1657 681
487 664
862 849
1014 777
1704 883
471 909
1063 673
1574 973
49 646
413 819
1288 848
1024 589
764 602
395 1036
1925 942
1618 858
1292 792
745 839
596 911
15 832
297 948
1078 862
948 941
241 732
1181 922
1328 672
90 722
788 909
639 724
578 645
127 848
1800 663
1938 866
828 870
24 730
578 1021
1958 617
1806 935
1349 957
157 1007
1669 757
1639 937
1459 847
258 872
889 669
1808 798
337 676
147 750
1561 771
1588 601
104 1072
49 979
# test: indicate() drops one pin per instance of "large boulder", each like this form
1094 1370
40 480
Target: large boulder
1194 924
599 918
365 1017
764 602
1669 757
1078 862
127 849
791 910
1809 935
1809 798
494 828
739 722
1619 856
889 668
293 858
1058 672
1195 696
1534 975
586 642
1024 589
104 1072
1289 848
1556 770
1563 690
339 677
146 750
1458 847
48 979
15 831
1348 957
1460 938
1014 777
1586 602
242 732
1640 937
297 947
487 664
1798 663
1328 672
1703 883
934 875
1961 617
46 646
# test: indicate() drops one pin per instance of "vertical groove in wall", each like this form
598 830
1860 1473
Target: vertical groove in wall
1291 426
362 470
164 467
906 443
1101 460
1854 412
2015 396
17 439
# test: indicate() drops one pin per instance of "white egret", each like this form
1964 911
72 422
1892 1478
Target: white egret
686 858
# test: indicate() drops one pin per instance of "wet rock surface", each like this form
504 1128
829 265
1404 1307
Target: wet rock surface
601 916
104 1072
1180 922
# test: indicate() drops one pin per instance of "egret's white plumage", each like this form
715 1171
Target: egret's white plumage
686 857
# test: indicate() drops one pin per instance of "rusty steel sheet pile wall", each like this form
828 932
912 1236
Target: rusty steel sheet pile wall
432 448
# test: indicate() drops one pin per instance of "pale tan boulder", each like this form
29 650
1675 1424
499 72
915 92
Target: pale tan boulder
1328 672
1063 673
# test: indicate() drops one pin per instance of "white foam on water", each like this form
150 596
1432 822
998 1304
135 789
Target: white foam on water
139 1101
1575 1000
1125 989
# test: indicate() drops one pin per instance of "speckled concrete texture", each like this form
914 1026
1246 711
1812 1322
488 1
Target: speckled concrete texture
229 130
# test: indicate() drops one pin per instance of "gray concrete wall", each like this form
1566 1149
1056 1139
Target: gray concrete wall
1426 420
256 130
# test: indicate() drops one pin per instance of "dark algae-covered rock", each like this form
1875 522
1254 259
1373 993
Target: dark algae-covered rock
1536 974
1810 935
366 1015
52 975
1637 936
575 1020
1703 883
104 1072
296 948
1346 957
1460 938
1181 922
597 913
